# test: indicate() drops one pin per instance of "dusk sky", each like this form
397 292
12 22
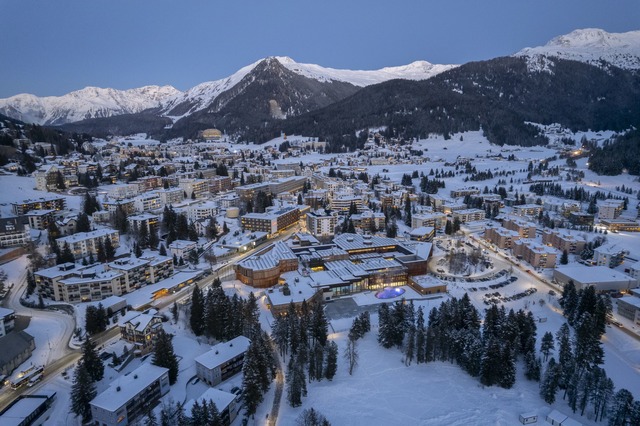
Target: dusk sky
54 47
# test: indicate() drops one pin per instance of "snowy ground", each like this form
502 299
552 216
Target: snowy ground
18 188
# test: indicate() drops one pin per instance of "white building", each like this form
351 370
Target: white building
129 397
610 209
83 243
322 223
222 361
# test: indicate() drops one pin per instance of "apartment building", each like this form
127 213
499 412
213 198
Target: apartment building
562 240
170 196
272 221
148 202
527 210
534 253
14 232
222 361
503 238
43 203
368 219
130 397
435 220
83 243
524 228
469 215
194 188
322 223
610 255
610 209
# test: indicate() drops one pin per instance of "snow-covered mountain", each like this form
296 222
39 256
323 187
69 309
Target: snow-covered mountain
203 95
90 102
593 46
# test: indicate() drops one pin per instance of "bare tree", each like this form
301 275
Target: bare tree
351 355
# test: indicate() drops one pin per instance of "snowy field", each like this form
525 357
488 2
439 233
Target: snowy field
17 188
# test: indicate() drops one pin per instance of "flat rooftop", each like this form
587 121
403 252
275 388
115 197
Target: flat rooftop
121 390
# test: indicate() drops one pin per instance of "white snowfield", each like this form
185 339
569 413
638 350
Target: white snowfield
592 46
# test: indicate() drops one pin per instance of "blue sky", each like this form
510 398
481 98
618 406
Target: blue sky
53 47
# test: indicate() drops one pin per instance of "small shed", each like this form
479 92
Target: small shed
528 418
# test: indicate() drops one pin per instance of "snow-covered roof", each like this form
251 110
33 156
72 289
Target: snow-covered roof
82 236
593 274
25 406
222 399
126 387
5 312
223 352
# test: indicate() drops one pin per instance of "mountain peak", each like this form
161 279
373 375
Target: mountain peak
593 46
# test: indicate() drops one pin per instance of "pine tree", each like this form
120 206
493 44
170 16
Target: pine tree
92 361
83 391
150 419
547 346
564 259
533 365
621 408
550 381
175 312
164 356
196 318
82 223
385 326
252 380
294 384
31 283
332 361
109 251
163 250
319 325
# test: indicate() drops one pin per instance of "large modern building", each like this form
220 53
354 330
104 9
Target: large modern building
130 397
610 255
349 264
610 209
600 277
272 221
222 361
469 215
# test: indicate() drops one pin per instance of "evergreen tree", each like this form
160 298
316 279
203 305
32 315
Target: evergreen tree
332 361
82 223
83 391
295 381
164 356
175 312
564 259
196 318
621 408
109 251
252 382
163 250
550 381
546 346
31 283
137 250
385 326
92 361
150 419
319 325
66 256
533 365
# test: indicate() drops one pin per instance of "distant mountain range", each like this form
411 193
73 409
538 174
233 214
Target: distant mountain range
278 94
95 102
